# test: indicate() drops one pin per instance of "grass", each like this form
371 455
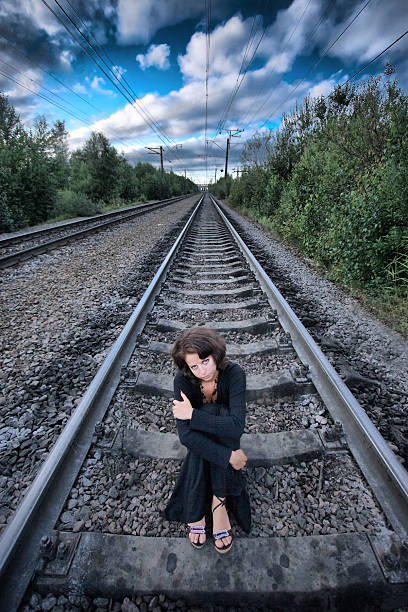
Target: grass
103 209
389 306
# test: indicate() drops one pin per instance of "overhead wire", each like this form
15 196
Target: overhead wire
113 68
375 58
120 81
242 73
291 92
135 103
35 82
14 80
207 72
52 102
263 89
50 74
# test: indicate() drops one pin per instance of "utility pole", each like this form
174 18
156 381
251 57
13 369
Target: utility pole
157 151
237 170
215 174
226 157
231 134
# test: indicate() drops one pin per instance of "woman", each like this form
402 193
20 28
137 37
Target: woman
209 407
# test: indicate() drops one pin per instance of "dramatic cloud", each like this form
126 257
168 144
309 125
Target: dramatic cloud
295 38
139 21
156 56
375 28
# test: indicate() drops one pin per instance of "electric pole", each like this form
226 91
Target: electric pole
226 157
157 151
231 134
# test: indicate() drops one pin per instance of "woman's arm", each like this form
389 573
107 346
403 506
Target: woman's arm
199 443
231 425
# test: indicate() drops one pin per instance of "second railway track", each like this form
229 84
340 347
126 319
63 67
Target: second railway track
322 537
23 246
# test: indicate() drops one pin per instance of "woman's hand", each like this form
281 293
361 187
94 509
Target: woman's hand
182 410
238 459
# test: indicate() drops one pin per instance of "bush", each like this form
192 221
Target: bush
72 204
6 217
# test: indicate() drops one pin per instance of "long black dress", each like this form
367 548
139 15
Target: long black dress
212 433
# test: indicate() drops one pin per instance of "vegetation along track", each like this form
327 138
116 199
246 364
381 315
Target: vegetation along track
21 247
329 498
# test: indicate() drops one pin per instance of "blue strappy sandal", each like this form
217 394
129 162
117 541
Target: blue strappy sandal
222 533
200 529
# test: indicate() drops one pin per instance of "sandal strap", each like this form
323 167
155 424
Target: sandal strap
223 533
222 503
197 529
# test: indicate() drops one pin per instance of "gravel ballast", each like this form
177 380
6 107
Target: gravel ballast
123 495
60 314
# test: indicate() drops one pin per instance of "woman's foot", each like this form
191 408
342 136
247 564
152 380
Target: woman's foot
221 523
197 539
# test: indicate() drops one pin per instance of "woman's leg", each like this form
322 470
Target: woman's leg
220 520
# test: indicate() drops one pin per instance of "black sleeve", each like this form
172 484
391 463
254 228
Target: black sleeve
199 443
229 425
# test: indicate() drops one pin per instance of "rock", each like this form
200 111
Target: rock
129 606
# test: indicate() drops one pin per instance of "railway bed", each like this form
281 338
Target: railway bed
23 246
322 538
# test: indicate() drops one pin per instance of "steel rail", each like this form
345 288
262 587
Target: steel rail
44 247
41 505
386 476
68 224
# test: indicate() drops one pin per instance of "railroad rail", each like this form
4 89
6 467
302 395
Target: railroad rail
39 241
304 436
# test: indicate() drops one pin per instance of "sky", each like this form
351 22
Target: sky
180 73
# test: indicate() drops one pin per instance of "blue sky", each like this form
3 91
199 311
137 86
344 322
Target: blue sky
157 49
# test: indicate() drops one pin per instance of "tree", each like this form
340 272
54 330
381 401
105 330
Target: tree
102 162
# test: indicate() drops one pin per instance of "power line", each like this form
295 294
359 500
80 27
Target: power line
262 91
15 69
114 70
207 72
122 90
375 58
372 60
241 75
52 102
150 122
312 68
37 65
44 98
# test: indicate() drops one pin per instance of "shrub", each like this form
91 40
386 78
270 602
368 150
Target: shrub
72 204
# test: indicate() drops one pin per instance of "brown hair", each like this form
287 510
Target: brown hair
204 342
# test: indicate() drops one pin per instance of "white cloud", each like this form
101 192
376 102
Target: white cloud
139 21
78 88
119 71
226 48
97 84
157 56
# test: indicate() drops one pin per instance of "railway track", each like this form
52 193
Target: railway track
21 247
329 498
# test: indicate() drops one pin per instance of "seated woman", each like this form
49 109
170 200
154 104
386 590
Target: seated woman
209 407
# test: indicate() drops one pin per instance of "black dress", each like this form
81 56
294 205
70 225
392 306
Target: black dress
212 433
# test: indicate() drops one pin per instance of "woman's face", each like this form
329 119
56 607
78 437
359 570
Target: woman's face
204 369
